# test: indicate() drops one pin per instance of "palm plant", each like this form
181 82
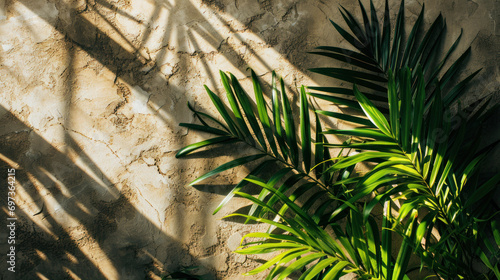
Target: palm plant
314 243
421 171
281 146
422 163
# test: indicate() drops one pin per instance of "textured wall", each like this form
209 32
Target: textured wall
91 94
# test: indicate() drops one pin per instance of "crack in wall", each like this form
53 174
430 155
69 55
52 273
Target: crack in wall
98 141
160 222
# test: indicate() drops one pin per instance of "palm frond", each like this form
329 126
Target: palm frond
302 242
376 58
273 138
421 174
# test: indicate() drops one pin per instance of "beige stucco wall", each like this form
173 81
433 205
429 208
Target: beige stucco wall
91 95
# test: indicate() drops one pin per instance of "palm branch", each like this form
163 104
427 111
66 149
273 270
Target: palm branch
375 56
303 245
421 163
270 131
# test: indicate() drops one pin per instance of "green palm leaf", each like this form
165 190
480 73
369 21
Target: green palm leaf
305 242
193 147
427 175
374 54
226 166
305 130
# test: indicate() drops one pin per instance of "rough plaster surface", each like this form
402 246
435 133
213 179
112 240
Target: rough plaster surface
91 96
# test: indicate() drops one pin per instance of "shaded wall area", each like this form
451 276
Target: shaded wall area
92 92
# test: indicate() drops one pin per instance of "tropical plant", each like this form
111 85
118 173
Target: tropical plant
374 57
281 146
424 171
314 241
425 163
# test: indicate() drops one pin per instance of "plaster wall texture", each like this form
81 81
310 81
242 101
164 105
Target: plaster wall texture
91 95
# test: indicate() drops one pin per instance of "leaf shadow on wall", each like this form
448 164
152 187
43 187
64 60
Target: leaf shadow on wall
81 195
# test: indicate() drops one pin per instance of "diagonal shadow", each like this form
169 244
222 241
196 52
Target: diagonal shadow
47 241
45 181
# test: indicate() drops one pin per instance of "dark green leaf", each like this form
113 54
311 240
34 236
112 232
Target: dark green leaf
386 38
280 134
411 43
438 68
406 109
368 31
351 60
193 147
373 113
305 130
454 68
318 150
425 225
337 100
361 132
200 114
204 128
428 41
249 111
418 117
375 35
484 190
346 117
263 116
366 156
349 38
223 112
355 77
386 246
457 91
370 145
398 38
434 132
262 166
289 126
394 112
405 251
228 165
350 53
277 176
348 92
235 108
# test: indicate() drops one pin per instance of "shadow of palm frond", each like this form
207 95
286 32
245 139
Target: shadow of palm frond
79 218
75 222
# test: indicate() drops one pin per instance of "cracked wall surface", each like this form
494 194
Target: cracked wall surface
92 92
